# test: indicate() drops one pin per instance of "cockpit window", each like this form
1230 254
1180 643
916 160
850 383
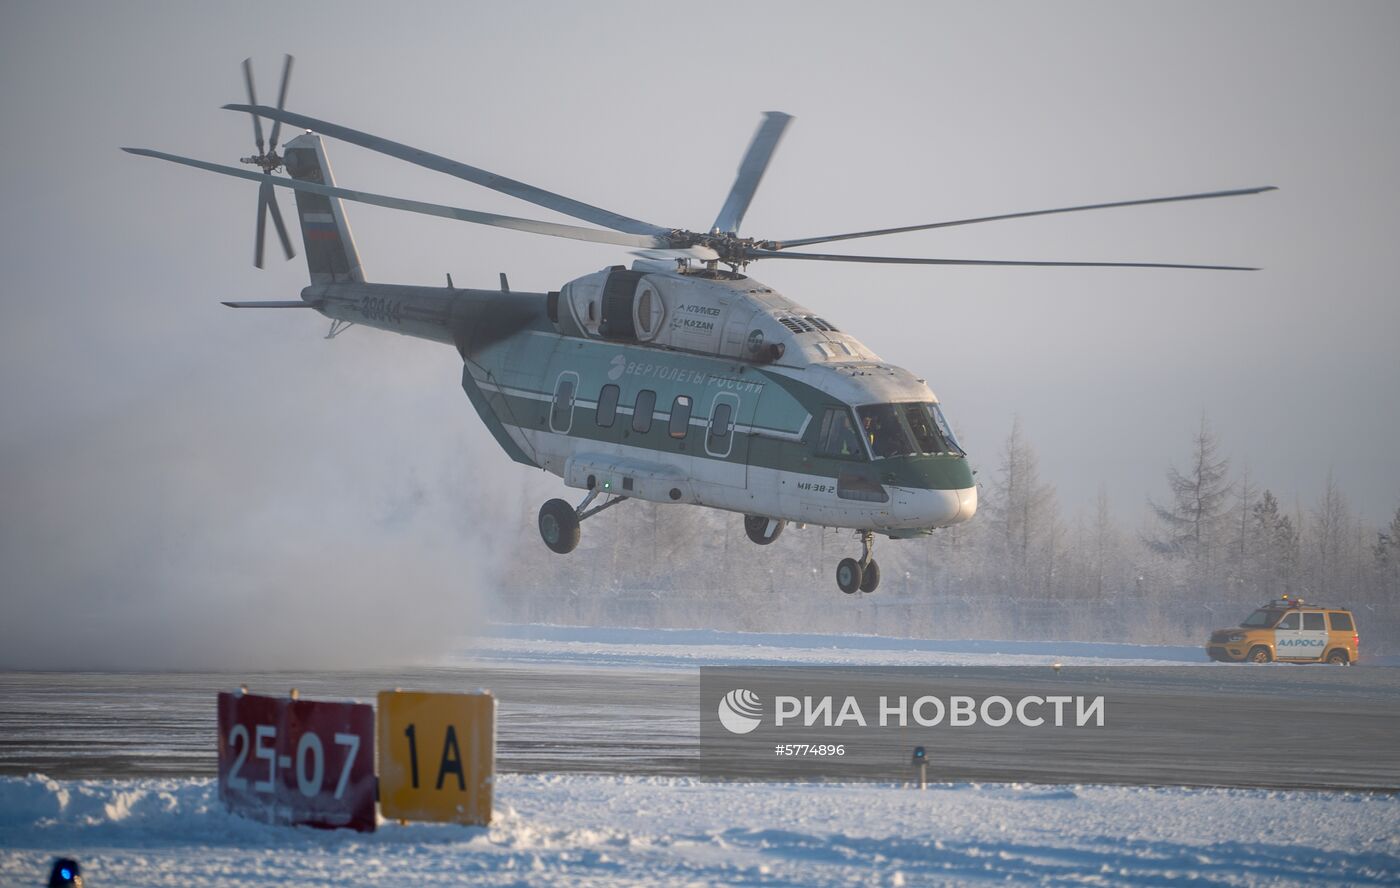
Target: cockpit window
882 427
838 436
931 430
926 434
947 430
907 428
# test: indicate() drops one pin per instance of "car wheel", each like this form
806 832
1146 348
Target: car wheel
1259 654
1338 658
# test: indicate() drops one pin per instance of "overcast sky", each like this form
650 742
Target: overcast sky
144 428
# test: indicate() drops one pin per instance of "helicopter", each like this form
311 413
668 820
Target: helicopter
679 379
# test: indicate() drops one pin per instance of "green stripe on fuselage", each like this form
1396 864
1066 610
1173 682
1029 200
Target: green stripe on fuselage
926 472
931 472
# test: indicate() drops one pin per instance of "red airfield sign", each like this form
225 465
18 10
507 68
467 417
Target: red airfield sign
298 762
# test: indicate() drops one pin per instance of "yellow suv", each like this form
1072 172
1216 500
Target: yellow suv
1289 630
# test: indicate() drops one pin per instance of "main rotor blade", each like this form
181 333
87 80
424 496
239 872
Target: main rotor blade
802 242
253 100
554 229
277 220
895 260
539 196
263 191
281 100
751 169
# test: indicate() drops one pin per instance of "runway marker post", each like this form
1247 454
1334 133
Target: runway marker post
297 762
437 756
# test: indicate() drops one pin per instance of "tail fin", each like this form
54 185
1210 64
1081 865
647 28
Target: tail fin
330 248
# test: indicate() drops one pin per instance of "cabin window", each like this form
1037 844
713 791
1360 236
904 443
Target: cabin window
1341 622
641 413
838 436
561 413
680 416
607 405
721 433
1313 623
1288 622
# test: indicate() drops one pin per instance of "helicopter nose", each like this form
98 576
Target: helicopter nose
935 508
945 507
967 505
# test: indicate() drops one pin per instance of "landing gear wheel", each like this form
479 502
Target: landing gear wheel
559 526
1338 658
870 577
848 575
1259 654
756 526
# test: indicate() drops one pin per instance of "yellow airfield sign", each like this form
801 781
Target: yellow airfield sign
437 756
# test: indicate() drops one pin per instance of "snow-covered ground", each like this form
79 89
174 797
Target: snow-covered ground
651 830
620 831
688 648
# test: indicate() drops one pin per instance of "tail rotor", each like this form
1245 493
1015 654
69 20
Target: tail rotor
269 161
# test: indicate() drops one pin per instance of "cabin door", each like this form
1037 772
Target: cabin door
730 405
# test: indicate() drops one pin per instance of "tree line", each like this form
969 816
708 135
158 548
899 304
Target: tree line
1212 544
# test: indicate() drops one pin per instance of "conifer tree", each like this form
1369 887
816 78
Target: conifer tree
1190 523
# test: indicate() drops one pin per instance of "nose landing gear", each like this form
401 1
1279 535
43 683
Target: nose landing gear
862 575
559 521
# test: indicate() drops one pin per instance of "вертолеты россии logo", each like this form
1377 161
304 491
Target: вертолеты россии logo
740 711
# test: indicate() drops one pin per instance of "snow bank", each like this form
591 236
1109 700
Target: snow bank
612 646
617 831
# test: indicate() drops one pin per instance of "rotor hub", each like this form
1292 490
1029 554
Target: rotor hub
732 250
269 162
